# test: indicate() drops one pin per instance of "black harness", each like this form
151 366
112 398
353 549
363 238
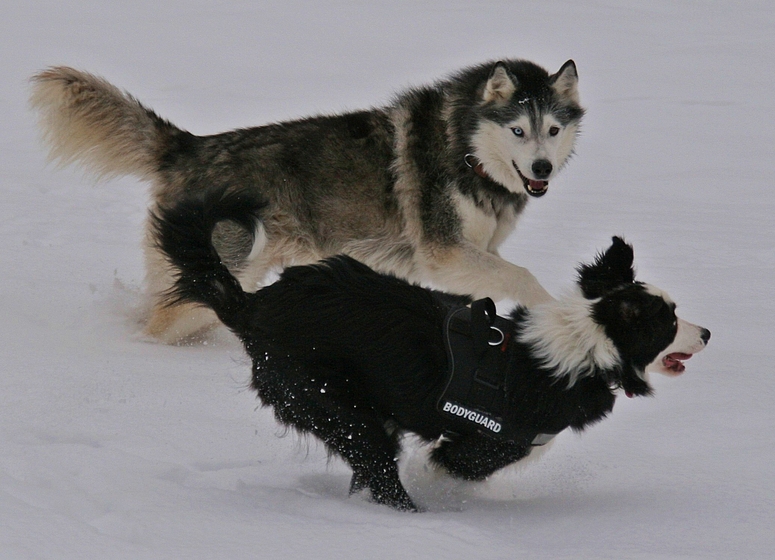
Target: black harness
483 369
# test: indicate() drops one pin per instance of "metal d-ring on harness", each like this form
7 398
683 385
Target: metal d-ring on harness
500 340
482 368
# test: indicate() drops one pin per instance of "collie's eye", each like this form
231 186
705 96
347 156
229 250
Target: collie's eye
518 132
554 131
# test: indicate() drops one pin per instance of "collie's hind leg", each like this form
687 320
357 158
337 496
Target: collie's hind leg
355 434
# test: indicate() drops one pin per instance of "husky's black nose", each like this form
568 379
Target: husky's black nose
542 168
705 335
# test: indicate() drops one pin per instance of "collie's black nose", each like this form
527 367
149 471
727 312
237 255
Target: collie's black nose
705 335
542 168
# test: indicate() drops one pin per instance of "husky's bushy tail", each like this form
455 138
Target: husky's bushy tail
84 118
183 234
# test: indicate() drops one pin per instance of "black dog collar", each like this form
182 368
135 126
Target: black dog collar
482 369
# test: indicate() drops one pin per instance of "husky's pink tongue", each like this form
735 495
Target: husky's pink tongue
537 188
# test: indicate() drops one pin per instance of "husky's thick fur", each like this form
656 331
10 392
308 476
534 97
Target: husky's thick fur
425 188
358 358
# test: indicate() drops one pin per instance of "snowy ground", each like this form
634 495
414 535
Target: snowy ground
111 447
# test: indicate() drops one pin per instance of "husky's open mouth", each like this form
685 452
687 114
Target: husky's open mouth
533 187
674 363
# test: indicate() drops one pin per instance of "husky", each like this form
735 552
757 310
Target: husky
358 358
425 188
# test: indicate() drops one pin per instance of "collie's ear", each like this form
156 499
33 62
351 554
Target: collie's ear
609 271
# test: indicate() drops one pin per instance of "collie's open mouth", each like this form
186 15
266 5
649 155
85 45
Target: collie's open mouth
533 188
674 363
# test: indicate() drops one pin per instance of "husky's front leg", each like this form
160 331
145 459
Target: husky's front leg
465 269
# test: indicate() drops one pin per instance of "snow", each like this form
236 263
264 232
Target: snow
113 447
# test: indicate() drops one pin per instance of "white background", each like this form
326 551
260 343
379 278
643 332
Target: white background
112 447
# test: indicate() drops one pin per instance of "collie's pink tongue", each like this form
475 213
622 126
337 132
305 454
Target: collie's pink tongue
679 356
674 362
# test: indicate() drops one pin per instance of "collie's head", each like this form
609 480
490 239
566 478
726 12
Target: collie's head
613 326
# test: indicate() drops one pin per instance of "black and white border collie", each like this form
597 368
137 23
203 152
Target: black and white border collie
357 358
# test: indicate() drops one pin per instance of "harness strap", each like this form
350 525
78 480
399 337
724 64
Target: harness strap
478 349
482 371
542 439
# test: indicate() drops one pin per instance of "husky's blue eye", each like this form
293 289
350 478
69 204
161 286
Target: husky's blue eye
554 131
518 131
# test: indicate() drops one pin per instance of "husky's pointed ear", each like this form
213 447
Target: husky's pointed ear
610 270
501 84
565 82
